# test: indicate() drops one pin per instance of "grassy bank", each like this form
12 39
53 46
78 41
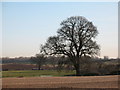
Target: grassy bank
34 73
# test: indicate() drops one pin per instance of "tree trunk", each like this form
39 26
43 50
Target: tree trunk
77 66
77 70
39 66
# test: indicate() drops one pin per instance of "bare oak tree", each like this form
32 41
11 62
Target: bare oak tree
75 39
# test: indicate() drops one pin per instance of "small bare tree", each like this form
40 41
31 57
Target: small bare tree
39 60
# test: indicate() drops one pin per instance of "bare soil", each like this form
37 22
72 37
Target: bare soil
62 82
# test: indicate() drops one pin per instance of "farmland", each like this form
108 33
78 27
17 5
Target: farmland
61 82
22 76
55 79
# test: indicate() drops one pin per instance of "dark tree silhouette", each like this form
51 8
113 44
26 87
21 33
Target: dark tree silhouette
75 39
39 60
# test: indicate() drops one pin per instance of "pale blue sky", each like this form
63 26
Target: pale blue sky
27 25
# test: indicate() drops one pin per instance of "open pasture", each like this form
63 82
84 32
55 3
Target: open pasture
34 73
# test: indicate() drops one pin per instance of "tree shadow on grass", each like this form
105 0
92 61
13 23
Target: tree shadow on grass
87 74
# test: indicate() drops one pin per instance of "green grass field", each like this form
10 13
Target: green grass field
34 73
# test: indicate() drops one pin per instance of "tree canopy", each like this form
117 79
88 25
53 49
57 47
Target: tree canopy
75 39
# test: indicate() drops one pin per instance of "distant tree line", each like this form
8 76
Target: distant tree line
89 66
19 60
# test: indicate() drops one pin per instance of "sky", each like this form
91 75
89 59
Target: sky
26 25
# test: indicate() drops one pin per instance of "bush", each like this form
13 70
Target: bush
114 73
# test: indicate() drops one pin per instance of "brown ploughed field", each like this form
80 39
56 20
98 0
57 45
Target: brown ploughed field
62 82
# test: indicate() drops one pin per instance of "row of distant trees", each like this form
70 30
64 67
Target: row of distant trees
18 60
91 66
48 60
88 64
